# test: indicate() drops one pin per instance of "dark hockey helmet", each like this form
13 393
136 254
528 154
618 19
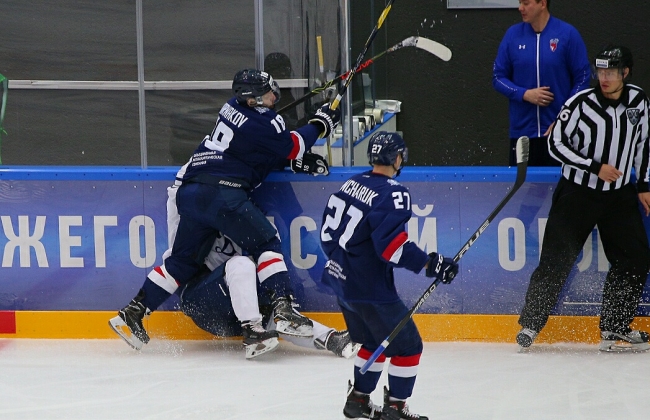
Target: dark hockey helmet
383 148
278 64
253 83
614 56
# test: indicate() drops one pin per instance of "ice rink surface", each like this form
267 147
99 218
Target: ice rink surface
106 379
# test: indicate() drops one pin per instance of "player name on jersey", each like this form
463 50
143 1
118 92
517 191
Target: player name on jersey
358 191
232 115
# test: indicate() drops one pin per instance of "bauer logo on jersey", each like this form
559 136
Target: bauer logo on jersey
554 43
633 115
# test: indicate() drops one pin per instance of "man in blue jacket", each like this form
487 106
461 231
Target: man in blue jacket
541 63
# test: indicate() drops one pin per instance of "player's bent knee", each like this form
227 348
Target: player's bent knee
239 269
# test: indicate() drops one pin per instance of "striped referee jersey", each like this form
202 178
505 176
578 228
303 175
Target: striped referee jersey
592 130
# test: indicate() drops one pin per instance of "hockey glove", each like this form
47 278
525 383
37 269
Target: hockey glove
311 164
442 268
327 118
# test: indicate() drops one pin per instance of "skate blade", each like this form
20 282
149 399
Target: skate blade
124 331
350 350
285 327
254 350
612 346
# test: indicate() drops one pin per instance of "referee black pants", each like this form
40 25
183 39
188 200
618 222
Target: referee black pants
574 213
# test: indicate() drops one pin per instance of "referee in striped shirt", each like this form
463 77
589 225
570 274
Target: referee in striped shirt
600 134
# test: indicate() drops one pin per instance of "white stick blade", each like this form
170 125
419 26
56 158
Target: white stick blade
523 145
435 48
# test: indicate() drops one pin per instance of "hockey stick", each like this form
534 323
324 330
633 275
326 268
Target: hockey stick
433 47
522 166
380 21
339 96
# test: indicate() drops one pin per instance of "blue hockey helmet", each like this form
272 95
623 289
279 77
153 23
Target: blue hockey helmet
253 83
383 148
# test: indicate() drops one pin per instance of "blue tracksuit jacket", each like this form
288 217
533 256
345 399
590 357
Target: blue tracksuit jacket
556 57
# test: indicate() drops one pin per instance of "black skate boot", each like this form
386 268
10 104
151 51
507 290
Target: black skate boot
629 340
339 343
359 406
257 340
397 410
288 321
525 337
128 322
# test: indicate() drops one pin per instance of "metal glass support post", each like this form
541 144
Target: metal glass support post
4 88
141 101
346 109
259 34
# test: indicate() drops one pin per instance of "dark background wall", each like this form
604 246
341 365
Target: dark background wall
451 115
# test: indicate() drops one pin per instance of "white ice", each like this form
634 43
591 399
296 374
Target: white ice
106 379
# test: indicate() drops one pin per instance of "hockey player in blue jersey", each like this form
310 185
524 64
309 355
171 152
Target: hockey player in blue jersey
363 235
248 141
223 298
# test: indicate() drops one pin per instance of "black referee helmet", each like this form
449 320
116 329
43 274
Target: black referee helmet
614 56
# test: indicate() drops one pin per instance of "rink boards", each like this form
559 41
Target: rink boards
77 243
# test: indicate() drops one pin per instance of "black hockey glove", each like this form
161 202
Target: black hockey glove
311 164
442 268
326 117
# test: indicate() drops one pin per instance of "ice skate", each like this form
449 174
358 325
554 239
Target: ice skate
397 410
339 343
128 322
359 406
525 337
290 322
257 340
630 340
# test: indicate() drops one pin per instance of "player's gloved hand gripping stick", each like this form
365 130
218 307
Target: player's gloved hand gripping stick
522 166
310 163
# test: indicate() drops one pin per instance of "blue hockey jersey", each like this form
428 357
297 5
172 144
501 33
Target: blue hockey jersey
247 143
363 235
